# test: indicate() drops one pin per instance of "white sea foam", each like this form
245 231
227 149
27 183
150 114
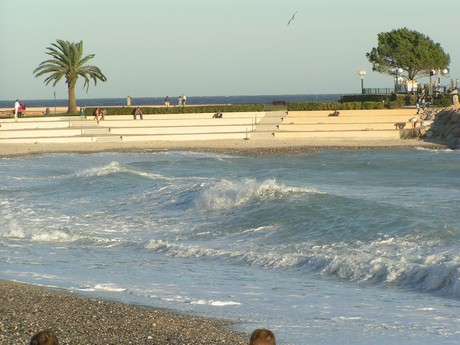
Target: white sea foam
187 251
54 236
194 301
108 287
116 167
434 150
113 167
401 261
14 230
215 303
233 193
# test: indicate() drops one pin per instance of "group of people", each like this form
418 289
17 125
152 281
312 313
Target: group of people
260 336
423 103
181 101
19 109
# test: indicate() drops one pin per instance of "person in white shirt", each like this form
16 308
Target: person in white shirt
16 109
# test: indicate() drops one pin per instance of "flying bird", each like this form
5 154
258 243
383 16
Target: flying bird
292 18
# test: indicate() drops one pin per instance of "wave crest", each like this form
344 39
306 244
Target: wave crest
233 193
117 167
393 261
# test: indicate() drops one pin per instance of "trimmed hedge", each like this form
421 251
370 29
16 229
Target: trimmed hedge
310 106
181 110
361 102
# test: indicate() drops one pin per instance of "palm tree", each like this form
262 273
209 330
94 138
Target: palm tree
68 61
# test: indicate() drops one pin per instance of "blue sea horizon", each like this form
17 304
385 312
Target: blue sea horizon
191 100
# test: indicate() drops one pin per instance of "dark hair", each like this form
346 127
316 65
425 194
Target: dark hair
262 336
44 338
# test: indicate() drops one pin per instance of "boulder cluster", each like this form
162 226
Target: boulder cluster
445 128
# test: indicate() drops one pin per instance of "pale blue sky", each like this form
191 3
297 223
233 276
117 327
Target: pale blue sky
154 48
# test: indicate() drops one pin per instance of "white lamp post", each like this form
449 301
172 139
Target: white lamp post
362 74
445 74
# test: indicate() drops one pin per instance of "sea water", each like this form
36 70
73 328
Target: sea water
191 100
333 247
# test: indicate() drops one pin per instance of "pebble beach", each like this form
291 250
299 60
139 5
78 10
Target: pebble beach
246 147
27 309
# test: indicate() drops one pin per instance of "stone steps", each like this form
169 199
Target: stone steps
311 125
348 135
349 125
335 127
118 128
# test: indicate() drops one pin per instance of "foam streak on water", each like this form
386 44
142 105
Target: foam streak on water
346 247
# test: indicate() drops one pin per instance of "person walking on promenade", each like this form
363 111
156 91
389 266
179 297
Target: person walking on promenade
262 336
420 102
167 101
138 111
16 108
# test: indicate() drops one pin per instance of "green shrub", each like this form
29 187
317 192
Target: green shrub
312 106
410 99
442 102
181 110
364 98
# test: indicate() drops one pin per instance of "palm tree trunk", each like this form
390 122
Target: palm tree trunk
72 109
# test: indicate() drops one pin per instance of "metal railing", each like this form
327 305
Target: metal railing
377 91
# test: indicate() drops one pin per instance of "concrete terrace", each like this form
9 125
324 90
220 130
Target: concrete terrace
273 126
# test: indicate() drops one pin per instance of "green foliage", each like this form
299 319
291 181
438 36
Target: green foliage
410 99
364 98
182 110
312 106
442 102
413 52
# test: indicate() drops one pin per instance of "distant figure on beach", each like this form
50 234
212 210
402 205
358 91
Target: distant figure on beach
16 108
44 338
138 112
103 113
217 115
184 100
167 101
128 101
179 101
262 336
